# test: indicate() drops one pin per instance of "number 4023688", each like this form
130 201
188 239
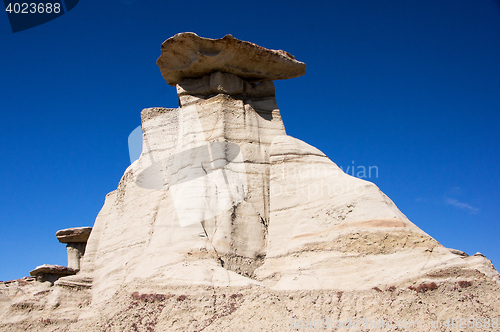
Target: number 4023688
33 8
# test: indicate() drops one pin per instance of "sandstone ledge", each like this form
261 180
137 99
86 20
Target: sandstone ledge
186 55
76 234
53 269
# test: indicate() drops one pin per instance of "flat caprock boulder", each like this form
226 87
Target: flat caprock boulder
186 55
75 234
51 273
52 269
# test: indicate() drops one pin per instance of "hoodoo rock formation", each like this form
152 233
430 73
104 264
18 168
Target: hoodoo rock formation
227 223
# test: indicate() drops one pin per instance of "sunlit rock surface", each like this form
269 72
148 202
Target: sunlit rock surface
227 223
186 55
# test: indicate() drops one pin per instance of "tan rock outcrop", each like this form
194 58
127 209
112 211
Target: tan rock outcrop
186 55
227 223
221 196
76 242
75 234
194 208
346 233
51 273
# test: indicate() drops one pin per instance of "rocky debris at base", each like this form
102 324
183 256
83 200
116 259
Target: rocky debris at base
416 306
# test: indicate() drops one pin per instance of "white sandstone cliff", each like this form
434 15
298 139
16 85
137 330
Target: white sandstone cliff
221 199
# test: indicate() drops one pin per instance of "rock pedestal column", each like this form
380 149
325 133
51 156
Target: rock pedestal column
76 241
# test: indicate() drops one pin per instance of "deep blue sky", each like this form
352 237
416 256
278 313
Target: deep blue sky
411 87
